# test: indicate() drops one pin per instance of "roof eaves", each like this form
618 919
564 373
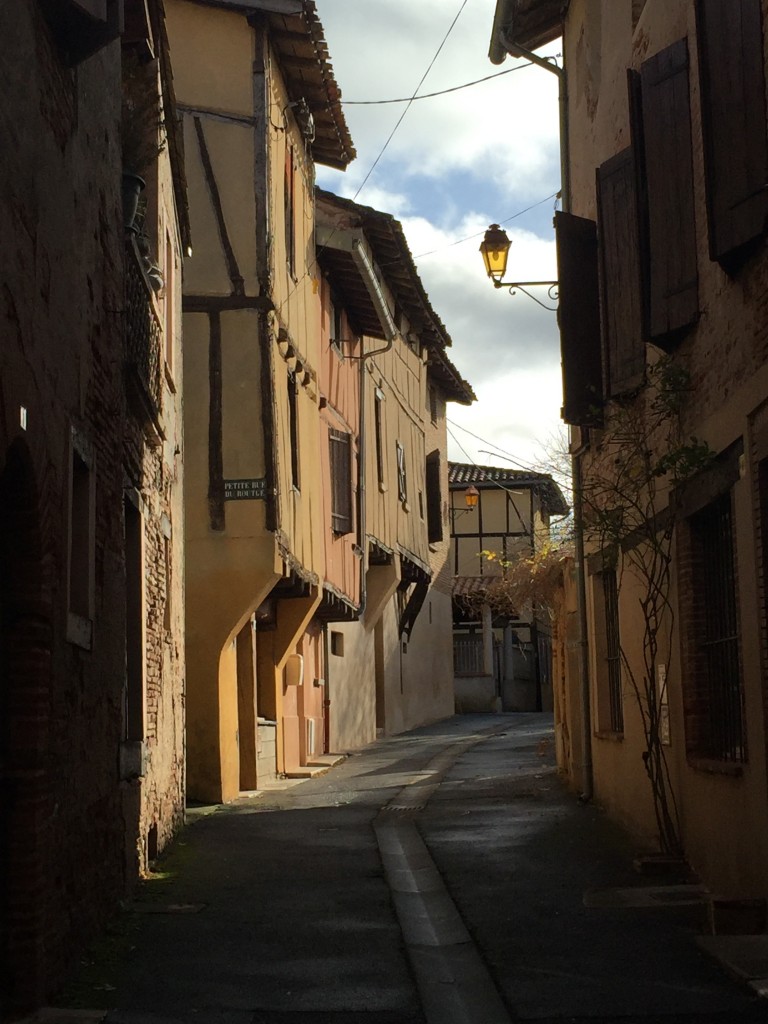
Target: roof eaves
529 23
386 238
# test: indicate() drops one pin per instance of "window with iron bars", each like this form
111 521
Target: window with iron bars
610 699
613 651
715 717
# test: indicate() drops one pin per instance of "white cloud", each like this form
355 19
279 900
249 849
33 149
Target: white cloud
500 128
450 165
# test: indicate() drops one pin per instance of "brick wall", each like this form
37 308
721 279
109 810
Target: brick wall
61 368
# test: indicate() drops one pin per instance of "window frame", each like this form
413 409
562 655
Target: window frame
340 455
402 475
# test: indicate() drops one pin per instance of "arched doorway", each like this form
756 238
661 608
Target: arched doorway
25 698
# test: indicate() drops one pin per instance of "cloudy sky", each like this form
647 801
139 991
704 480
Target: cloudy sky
456 163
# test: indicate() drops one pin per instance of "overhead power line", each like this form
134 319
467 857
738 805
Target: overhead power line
440 92
410 101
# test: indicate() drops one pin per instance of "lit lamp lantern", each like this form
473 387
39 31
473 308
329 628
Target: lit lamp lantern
470 496
495 249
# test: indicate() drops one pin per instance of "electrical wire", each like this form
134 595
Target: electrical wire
501 451
440 92
431 64
479 234
508 490
411 100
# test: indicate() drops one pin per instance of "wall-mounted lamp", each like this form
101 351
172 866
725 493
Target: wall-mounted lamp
495 251
471 497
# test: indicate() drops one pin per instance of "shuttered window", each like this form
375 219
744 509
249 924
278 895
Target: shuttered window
289 185
293 429
579 316
402 479
733 114
620 275
434 498
341 481
666 131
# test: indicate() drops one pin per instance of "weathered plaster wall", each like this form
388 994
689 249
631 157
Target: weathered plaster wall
723 814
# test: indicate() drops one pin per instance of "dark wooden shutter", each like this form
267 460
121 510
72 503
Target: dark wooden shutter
341 481
434 498
733 114
666 125
579 318
620 277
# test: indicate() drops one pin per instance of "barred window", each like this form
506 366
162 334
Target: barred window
610 699
715 720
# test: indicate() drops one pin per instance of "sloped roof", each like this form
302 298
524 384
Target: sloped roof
296 33
531 23
394 261
462 474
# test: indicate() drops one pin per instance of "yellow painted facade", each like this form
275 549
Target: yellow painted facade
714 716
252 351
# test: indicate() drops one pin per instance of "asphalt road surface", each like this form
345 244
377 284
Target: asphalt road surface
440 877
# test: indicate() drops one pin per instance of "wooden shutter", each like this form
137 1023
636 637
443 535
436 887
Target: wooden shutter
666 127
434 498
733 115
341 481
620 276
579 318
402 479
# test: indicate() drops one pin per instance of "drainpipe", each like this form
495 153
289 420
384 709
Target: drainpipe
515 50
363 264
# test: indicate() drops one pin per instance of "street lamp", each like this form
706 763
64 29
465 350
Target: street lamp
471 497
494 249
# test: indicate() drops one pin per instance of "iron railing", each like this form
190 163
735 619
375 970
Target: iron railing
719 638
613 651
468 656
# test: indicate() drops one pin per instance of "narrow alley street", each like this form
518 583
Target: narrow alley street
439 877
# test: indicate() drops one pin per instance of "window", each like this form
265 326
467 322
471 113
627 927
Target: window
620 274
335 322
402 481
714 712
289 210
378 428
434 498
579 318
341 481
612 651
337 644
81 543
733 113
293 429
433 407
662 125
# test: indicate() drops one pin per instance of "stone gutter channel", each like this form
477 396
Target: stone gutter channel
454 984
